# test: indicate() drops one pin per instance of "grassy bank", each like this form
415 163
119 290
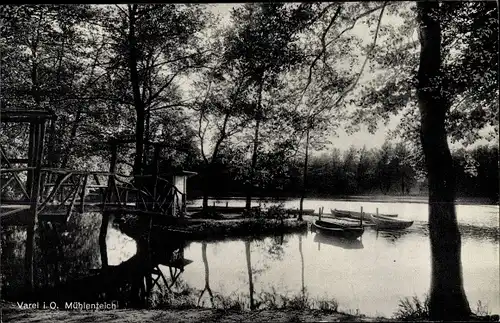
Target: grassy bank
214 229
244 227
11 313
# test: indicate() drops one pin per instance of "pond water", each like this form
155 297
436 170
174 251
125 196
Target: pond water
369 276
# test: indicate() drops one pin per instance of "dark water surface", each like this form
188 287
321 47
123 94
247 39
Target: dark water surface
369 276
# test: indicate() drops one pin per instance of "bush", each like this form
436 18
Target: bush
328 306
411 309
481 309
277 212
254 212
228 303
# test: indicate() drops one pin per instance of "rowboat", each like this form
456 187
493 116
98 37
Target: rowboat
338 228
387 223
338 241
357 215
340 213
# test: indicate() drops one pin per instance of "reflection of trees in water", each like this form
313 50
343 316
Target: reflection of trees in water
67 264
481 233
207 275
391 236
249 271
301 265
62 252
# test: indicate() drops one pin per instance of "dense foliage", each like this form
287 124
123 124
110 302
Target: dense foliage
236 101
389 170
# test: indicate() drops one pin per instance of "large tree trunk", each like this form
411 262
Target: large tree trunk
447 295
303 195
138 103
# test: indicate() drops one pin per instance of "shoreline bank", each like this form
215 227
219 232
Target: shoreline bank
216 229
420 199
11 313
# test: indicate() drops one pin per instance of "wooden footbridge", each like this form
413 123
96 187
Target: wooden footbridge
32 193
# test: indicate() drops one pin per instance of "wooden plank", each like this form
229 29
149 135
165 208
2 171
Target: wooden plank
12 206
66 185
76 172
16 170
14 202
13 211
15 115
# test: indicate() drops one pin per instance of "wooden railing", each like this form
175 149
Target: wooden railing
64 192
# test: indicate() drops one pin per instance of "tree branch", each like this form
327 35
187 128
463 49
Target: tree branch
351 87
364 14
323 50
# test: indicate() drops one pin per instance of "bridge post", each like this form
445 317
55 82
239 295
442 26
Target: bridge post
35 153
156 159
105 214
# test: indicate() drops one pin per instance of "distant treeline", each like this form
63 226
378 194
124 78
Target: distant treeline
392 169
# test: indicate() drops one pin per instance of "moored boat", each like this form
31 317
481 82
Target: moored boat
387 223
339 228
357 215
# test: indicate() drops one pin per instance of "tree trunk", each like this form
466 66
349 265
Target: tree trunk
134 80
447 296
305 178
206 187
72 137
147 136
402 185
248 203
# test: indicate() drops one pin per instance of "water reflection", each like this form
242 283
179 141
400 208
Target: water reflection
392 236
258 272
250 274
337 241
207 275
69 264
352 272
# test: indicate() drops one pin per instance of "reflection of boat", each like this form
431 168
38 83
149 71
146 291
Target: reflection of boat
386 223
338 242
339 228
